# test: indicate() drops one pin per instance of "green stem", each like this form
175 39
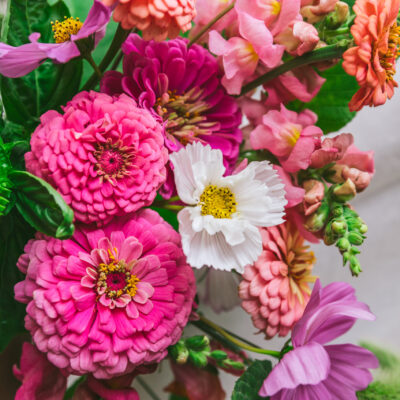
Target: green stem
237 342
147 388
97 72
172 207
322 54
117 60
119 38
211 23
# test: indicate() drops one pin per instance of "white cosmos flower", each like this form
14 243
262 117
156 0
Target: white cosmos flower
219 228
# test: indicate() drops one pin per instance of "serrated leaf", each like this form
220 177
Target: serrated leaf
249 384
50 85
14 234
331 103
42 206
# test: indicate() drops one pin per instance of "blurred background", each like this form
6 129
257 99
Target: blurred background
378 284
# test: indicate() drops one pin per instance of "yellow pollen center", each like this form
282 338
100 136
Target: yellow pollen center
276 7
115 279
64 29
218 202
388 59
293 136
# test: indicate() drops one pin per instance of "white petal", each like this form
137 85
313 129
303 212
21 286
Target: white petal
195 165
259 194
218 289
201 248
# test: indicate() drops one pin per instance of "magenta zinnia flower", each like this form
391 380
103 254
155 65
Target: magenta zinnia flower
107 300
19 61
105 155
182 87
314 370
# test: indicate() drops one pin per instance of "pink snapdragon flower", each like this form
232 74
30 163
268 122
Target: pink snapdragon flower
19 61
290 136
104 154
107 300
241 55
40 378
313 369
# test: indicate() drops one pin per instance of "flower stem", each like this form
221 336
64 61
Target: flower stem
119 38
238 342
147 388
211 23
322 54
97 72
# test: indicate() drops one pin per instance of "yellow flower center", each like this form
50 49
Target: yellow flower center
218 202
64 29
293 136
276 7
388 59
114 279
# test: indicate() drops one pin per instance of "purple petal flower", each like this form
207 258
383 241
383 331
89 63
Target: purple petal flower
19 61
313 370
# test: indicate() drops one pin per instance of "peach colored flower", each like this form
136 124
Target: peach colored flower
275 290
372 61
157 19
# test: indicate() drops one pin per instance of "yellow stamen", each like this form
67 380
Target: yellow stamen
218 202
276 7
293 137
388 59
64 29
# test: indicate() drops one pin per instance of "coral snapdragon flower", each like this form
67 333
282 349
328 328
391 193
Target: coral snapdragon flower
373 60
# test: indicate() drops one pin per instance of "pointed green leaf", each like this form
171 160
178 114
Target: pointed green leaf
249 384
42 206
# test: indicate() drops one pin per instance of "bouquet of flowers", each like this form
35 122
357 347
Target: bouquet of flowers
162 155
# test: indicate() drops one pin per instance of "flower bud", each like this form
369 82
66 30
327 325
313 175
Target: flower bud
317 221
219 355
343 244
355 266
363 228
336 173
339 227
315 192
198 359
360 179
179 352
233 364
345 191
198 343
355 238
338 16
329 236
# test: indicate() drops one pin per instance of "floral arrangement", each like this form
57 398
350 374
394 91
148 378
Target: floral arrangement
161 155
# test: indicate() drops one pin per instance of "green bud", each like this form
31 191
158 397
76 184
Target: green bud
219 355
232 364
344 192
343 244
317 221
355 266
363 228
337 17
346 257
339 227
198 359
179 352
337 211
197 343
329 236
355 238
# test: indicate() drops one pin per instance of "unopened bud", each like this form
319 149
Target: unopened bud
345 191
360 179
179 352
317 221
355 238
343 244
363 228
355 266
198 359
335 173
219 355
329 236
339 227
315 191
197 343
233 364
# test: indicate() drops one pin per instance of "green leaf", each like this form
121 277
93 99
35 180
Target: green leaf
50 85
14 234
331 103
380 391
42 206
249 384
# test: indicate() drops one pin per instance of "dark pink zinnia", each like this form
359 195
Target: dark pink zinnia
107 300
182 87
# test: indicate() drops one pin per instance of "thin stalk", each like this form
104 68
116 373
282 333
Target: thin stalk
322 54
211 23
97 72
237 342
147 388
119 38
117 60
172 207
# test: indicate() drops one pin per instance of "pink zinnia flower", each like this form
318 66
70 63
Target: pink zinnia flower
314 370
181 87
107 300
373 60
241 55
275 290
157 19
104 154
40 378
19 61
290 136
